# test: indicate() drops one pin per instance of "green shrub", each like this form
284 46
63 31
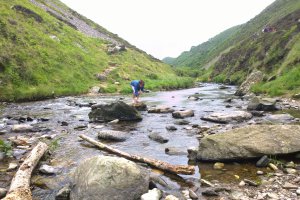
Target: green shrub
6 147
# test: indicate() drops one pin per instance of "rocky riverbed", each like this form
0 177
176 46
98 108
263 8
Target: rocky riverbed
175 123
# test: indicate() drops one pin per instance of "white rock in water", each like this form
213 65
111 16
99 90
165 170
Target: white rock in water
22 128
46 169
12 166
171 197
153 194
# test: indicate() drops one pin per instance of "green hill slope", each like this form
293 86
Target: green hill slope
203 53
274 51
50 50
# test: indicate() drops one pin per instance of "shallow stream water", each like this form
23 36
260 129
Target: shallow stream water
69 150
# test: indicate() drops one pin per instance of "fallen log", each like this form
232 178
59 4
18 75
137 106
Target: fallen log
177 169
20 184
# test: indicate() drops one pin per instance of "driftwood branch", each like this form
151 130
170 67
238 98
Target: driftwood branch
177 169
20 184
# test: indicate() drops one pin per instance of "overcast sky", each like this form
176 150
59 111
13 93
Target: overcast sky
168 27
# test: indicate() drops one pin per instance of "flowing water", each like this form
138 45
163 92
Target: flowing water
69 150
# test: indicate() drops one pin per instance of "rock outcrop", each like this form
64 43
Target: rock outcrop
109 178
254 77
250 142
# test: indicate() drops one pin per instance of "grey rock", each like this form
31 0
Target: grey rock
3 192
263 161
46 169
279 118
226 117
112 135
251 183
17 153
181 122
63 193
210 192
109 178
22 128
264 104
175 151
161 109
158 138
140 106
3 131
171 128
183 114
250 142
117 110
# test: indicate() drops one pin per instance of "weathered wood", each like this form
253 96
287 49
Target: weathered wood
177 169
20 184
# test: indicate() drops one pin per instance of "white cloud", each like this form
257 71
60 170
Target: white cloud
168 27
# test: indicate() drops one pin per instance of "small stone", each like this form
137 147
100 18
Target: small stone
171 128
210 192
290 165
263 161
206 183
218 165
272 166
2 132
186 194
3 192
114 121
63 193
192 194
288 185
46 169
154 194
12 167
251 183
273 196
17 153
298 192
236 176
259 172
171 197
290 171
242 184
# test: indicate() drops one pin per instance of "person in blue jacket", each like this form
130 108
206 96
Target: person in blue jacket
137 87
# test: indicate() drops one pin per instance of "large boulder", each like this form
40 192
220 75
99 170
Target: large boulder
117 110
262 104
250 142
109 178
254 77
226 117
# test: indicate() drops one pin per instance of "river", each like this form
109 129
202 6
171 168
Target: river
68 117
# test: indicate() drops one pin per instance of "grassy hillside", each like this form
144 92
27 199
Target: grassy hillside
42 56
246 48
203 53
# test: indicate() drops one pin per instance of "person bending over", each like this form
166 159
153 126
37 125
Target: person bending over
137 87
